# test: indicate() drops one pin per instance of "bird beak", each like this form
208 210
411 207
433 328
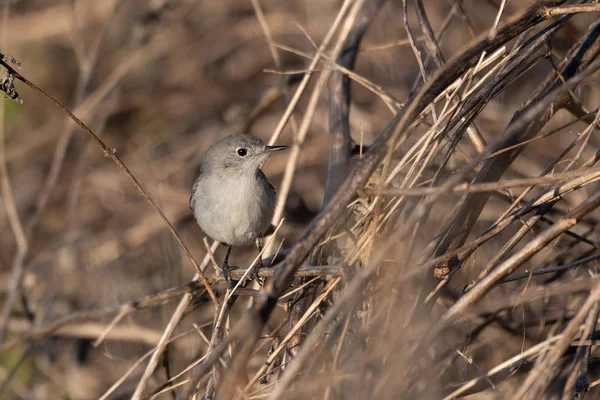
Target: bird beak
270 149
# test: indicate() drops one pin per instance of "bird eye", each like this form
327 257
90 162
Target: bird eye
242 152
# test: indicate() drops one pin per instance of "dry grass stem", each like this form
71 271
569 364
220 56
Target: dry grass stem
437 216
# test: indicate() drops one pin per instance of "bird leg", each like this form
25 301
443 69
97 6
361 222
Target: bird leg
225 268
256 268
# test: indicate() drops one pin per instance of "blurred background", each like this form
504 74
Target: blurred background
159 81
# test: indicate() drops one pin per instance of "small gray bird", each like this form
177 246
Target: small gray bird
232 199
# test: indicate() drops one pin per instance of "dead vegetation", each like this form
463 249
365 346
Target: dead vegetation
437 208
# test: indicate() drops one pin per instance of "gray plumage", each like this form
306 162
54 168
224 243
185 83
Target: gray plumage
232 199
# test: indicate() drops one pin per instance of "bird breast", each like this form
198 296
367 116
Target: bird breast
232 210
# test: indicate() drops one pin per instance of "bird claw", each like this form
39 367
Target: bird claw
227 275
254 272
253 275
226 270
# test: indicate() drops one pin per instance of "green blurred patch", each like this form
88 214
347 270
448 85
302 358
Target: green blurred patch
14 358
11 109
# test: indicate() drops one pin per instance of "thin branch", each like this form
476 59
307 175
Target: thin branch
321 270
551 270
339 102
216 338
290 168
487 187
510 265
9 203
253 321
546 369
552 94
580 362
169 329
112 153
573 9
84 316
348 299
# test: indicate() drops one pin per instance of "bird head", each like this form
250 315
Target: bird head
238 154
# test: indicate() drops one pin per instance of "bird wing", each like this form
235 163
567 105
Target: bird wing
192 202
261 176
270 231
272 188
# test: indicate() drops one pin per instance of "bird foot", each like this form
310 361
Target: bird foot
253 274
226 270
